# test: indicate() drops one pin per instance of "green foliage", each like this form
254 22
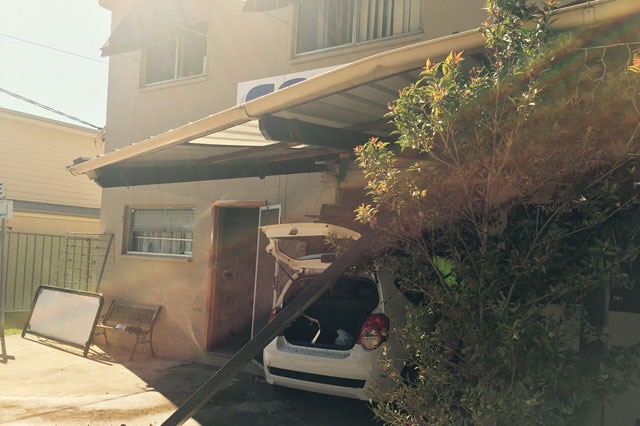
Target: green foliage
526 185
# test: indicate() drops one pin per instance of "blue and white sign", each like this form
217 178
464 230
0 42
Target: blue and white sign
250 90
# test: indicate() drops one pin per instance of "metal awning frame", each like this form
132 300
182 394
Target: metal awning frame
360 75
352 75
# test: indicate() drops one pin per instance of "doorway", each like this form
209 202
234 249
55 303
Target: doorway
235 303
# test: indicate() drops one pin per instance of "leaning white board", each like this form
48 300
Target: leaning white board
68 316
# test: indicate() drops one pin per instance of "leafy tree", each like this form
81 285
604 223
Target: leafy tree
515 221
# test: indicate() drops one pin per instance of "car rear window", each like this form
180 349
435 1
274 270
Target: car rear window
305 247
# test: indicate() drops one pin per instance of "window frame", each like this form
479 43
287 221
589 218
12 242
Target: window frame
359 34
175 48
129 238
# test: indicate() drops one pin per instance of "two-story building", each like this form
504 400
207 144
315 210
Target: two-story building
185 223
225 115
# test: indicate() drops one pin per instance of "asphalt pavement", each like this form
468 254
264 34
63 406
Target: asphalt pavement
44 382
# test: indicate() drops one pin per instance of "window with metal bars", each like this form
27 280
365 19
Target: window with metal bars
161 231
324 24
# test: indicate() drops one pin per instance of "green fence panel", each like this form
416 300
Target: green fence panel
30 261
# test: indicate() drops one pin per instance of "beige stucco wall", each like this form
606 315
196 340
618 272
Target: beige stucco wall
242 47
182 286
237 51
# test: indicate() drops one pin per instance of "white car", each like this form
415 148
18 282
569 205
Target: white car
335 347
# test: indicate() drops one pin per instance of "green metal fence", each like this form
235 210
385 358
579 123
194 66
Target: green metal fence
74 261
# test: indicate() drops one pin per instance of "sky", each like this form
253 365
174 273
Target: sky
50 54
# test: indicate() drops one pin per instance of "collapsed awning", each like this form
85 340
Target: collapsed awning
152 21
238 152
317 119
304 127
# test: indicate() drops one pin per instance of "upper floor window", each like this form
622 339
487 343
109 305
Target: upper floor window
161 231
323 24
182 56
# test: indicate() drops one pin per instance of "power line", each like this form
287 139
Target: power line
48 108
53 48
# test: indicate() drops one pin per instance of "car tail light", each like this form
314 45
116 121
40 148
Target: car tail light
374 332
274 312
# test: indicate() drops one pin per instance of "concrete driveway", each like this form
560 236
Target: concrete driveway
48 383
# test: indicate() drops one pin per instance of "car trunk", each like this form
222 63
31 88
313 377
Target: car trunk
335 319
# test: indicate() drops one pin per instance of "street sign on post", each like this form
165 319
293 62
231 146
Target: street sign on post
6 209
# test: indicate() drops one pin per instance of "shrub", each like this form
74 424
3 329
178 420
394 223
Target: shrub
525 184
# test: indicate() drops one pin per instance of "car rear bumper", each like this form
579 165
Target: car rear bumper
355 373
